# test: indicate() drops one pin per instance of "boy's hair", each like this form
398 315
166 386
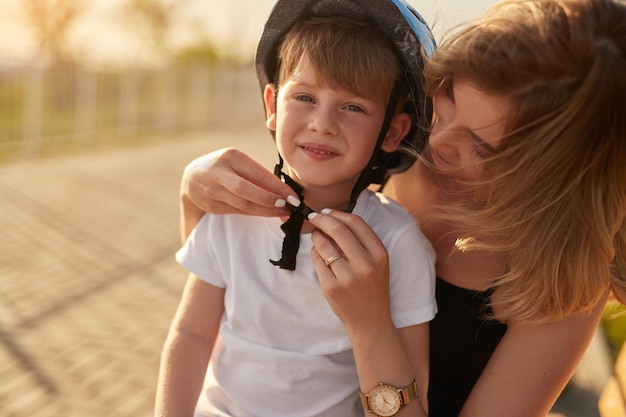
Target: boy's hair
346 54
553 197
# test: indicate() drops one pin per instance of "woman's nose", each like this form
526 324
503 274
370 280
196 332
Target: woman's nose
444 141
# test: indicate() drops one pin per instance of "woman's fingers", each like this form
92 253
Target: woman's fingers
356 285
327 258
228 181
363 259
351 235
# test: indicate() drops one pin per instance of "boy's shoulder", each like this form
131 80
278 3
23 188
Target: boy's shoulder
377 207
230 223
392 223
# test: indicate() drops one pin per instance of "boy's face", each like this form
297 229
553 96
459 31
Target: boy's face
326 135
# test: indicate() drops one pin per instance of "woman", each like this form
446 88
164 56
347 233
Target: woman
521 190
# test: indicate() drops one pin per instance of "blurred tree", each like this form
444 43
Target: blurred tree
154 20
202 52
52 20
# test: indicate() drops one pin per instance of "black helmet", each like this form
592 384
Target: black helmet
396 19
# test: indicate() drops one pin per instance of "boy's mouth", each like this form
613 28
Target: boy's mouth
317 151
321 151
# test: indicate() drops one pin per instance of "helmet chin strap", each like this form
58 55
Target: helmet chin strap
374 172
293 225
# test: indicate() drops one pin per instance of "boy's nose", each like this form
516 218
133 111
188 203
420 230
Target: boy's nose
323 122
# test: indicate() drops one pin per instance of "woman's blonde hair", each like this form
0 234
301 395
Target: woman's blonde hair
553 197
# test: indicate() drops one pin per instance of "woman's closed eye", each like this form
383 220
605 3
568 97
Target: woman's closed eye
479 153
447 88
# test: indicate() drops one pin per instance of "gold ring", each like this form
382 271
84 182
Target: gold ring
331 260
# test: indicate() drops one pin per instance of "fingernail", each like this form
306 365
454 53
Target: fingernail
311 215
293 201
279 203
326 211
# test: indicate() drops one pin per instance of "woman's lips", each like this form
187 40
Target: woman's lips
439 159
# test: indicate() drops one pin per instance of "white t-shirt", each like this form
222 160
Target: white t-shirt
283 352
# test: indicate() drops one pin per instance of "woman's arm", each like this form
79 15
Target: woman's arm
229 181
416 340
531 366
188 348
357 289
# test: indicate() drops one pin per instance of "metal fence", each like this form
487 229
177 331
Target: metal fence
43 107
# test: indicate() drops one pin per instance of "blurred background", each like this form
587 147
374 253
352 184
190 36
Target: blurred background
82 73
102 104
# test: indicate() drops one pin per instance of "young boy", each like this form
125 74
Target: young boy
275 346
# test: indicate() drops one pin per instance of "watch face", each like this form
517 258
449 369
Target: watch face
384 401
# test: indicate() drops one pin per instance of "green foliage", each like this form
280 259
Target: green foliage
614 324
11 94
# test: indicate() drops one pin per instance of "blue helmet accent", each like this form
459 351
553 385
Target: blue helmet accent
419 26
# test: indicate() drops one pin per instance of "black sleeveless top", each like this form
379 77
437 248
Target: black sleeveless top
461 343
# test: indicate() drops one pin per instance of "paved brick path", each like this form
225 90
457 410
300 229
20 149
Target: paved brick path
88 283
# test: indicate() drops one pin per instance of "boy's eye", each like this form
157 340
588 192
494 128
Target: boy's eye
304 97
354 107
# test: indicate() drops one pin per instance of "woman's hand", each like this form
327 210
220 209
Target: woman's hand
229 181
357 284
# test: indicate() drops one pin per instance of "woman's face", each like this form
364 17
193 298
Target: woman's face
468 127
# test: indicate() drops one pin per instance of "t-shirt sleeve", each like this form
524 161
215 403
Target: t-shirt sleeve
197 255
412 277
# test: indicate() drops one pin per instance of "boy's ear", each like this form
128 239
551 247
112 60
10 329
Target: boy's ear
269 95
398 129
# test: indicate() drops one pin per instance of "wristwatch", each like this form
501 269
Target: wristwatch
385 401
